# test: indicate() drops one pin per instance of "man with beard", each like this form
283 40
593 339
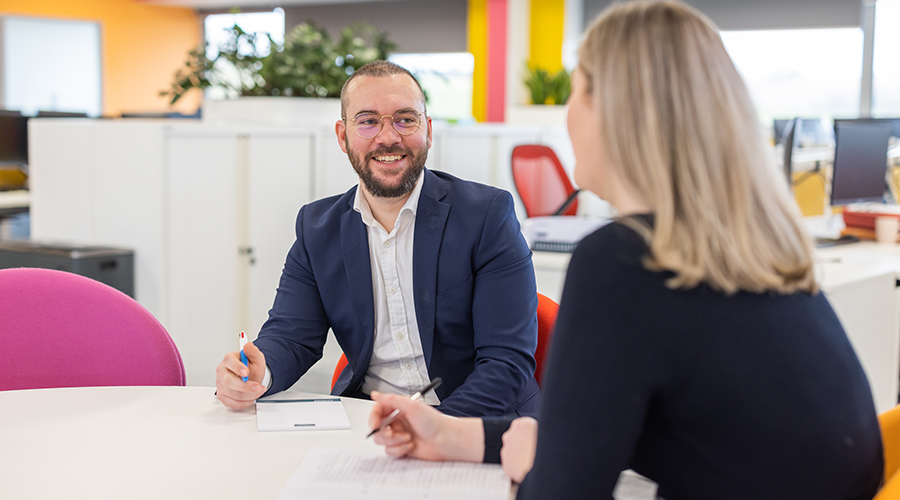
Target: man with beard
418 273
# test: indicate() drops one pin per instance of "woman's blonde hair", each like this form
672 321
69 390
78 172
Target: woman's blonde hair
679 128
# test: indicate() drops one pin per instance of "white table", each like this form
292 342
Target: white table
150 443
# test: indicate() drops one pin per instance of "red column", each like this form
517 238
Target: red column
496 60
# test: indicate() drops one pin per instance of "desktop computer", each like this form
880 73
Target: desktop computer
860 162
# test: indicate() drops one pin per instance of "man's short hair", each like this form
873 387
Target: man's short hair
378 69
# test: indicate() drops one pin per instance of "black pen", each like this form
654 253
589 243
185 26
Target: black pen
390 418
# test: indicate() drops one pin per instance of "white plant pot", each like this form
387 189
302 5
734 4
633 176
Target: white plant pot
265 110
531 114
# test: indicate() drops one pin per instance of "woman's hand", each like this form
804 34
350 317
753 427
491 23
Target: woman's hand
420 431
519 445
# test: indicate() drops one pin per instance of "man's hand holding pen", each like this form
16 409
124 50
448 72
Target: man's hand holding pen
231 390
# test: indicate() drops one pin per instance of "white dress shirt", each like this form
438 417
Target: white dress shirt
398 362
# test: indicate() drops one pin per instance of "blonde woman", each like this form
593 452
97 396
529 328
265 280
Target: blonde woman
692 344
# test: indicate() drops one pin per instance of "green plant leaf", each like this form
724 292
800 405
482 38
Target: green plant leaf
561 86
547 88
538 82
308 64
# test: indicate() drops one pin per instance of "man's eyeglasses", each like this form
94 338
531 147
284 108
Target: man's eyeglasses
405 122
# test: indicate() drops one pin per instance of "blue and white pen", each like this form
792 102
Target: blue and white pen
243 356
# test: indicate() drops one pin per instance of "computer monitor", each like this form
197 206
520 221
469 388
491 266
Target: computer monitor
778 127
860 162
788 151
61 114
807 131
13 139
893 123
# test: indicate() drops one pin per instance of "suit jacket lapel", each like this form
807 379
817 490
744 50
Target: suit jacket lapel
355 250
431 217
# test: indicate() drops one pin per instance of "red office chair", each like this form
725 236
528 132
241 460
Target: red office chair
59 329
542 184
546 316
341 364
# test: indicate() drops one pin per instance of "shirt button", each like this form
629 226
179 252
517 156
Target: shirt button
393 289
409 366
387 244
399 336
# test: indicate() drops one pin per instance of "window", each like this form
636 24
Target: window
447 81
218 32
805 72
885 67
51 65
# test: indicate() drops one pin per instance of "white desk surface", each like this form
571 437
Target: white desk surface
150 443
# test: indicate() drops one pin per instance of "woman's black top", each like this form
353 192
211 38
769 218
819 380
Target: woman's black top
747 396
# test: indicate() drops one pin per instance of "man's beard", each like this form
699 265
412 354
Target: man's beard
407 177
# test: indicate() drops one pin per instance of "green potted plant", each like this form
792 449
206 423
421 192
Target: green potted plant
309 64
547 92
546 87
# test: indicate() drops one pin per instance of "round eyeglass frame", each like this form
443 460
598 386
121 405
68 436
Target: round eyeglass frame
391 116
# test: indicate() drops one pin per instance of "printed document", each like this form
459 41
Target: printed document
312 414
372 475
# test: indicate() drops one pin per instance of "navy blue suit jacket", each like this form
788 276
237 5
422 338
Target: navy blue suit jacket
474 287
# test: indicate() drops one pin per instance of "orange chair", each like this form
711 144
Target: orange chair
890 437
341 364
542 184
546 316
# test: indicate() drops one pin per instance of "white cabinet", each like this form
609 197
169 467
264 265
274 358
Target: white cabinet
209 212
94 183
869 311
860 281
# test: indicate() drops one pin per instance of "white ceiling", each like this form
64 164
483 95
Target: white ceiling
225 4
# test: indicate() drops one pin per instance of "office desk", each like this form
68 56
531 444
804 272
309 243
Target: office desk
860 281
150 443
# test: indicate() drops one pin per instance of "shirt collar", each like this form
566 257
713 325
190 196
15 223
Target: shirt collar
361 204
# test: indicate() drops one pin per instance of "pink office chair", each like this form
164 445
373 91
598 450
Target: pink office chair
59 329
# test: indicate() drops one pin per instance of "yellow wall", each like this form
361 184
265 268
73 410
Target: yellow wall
547 26
142 47
477 45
